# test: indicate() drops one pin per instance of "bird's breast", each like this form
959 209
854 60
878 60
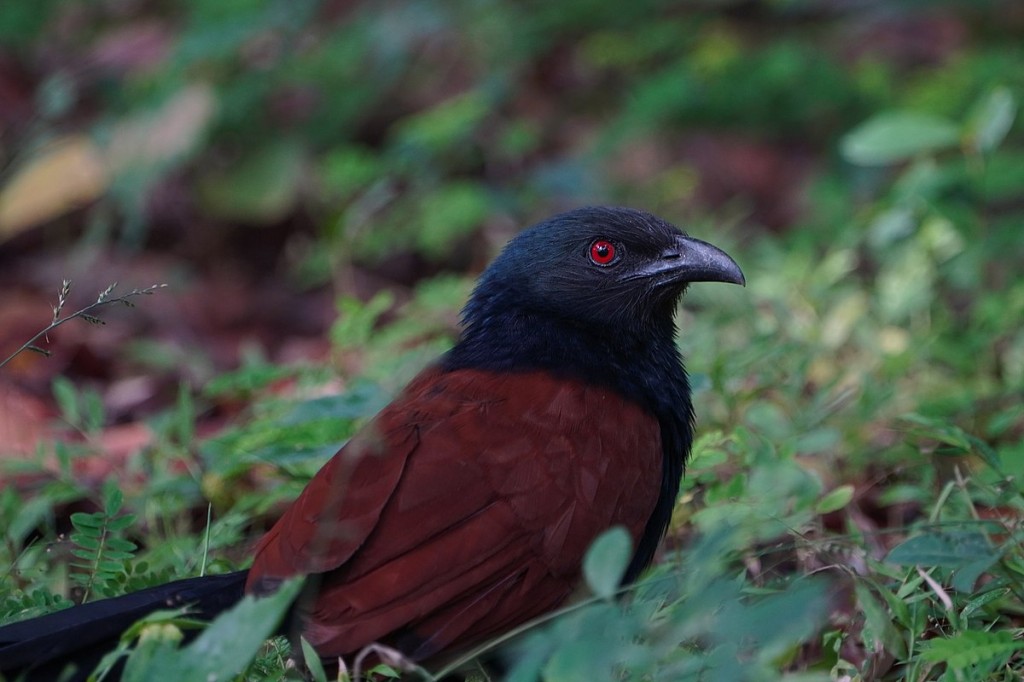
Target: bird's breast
570 458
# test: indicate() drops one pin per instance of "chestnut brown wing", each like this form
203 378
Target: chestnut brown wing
463 509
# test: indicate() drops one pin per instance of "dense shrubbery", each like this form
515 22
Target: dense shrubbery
853 506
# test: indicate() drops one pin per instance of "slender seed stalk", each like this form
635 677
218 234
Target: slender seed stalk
104 298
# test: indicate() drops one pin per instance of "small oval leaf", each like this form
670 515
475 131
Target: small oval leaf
834 500
992 119
897 136
113 499
606 561
84 520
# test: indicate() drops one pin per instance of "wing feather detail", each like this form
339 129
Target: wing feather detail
464 508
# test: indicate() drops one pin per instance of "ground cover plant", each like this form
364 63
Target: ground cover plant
853 506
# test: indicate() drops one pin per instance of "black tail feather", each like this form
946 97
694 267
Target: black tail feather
40 648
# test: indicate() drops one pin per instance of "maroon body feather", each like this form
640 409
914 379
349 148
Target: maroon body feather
463 509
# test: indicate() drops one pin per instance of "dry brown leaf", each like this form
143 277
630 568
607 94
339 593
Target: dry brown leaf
63 176
163 134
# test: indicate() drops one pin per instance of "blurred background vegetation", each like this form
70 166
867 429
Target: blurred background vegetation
318 182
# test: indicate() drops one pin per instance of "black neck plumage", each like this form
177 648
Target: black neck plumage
644 368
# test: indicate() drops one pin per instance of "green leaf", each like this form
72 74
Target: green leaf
120 523
174 618
28 517
346 170
967 574
606 561
992 120
227 645
983 600
86 541
67 399
450 213
113 499
155 650
357 320
879 625
255 373
313 662
835 499
84 521
972 648
184 416
261 188
233 638
951 549
708 451
961 442
121 545
444 126
897 136
92 411
589 646
383 670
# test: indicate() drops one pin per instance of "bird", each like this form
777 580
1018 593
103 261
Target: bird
464 508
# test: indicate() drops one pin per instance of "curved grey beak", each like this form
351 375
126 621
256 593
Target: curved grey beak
693 260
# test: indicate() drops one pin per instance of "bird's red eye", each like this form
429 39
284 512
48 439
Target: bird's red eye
602 252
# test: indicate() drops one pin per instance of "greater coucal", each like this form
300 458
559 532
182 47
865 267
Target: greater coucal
465 507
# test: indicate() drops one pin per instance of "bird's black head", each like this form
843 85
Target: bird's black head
590 295
608 271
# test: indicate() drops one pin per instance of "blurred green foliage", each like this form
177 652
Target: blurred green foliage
853 506
407 126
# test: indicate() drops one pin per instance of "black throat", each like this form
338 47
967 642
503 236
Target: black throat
644 368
